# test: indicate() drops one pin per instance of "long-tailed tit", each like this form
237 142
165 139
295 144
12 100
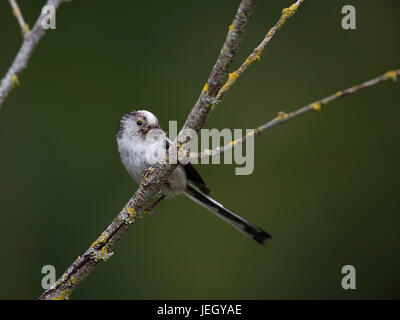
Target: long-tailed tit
134 146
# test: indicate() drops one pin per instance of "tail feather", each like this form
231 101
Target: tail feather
232 218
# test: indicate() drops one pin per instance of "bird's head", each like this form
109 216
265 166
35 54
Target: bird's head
137 123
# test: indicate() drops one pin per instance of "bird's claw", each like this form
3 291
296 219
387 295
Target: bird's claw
147 172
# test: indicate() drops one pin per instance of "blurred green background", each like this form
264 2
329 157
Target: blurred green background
325 185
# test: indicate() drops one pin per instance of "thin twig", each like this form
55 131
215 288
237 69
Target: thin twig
18 14
283 117
30 42
201 110
256 54
100 250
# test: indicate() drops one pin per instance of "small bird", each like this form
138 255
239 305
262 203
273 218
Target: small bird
184 179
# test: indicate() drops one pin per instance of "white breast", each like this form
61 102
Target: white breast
136 154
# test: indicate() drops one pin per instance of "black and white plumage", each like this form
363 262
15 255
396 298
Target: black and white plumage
134 146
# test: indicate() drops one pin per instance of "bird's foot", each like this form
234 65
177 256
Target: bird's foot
147 173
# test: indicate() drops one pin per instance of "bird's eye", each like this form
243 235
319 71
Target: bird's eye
139 122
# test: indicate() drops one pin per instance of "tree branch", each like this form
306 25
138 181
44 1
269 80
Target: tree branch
100 250
201 109
30 42
17 13
256 54
283 117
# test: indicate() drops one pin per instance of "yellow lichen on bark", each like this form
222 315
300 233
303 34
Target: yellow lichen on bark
390 75
317 106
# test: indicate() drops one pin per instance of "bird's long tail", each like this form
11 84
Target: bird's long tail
233 219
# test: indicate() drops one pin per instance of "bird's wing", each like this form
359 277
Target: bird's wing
194 177
192 174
